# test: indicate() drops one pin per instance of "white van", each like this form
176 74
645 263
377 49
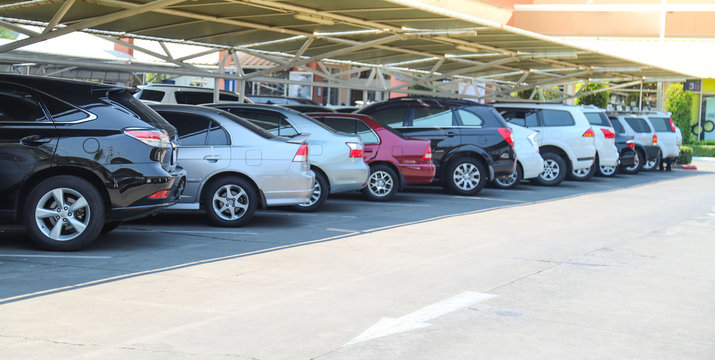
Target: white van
176 94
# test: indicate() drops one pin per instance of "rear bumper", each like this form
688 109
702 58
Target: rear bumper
608 156
347 176
532 164
294 190
175 183
503 167
652 152
417 174
627 157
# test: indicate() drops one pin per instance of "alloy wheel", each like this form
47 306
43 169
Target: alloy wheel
551 170
608 170
380 183
507 180
230 202
62 214
466 176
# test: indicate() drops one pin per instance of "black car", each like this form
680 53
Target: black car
471 143
627 157
280 100
77 158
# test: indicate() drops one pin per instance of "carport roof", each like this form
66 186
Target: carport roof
440 39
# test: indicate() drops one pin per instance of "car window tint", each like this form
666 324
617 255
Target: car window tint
61 111
152 95
598 119
661 124
366 134
638 125
192 129
432 116
392 116
226 97
18 105
193 97
217 135
556 118
521 117
124 100
469 118
617 125
344 125
272 122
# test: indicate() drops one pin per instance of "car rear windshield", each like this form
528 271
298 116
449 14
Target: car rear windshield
142 111
638 125
248 125
598 119
661 124
152 95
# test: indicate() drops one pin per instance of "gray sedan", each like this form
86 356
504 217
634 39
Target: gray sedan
336 158
234 167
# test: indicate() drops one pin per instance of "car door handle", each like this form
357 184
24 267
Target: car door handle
34 140
212 158
451 133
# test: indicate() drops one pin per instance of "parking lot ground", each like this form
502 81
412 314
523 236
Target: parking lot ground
613 268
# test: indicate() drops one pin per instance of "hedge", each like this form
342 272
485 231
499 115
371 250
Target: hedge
703 150
686 155
703 142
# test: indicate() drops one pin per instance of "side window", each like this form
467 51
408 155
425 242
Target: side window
432 117
193 97
469 118
638 125
226 97
19 105
366 134
217 135
556 118
63 112
274 123
617 126
192 129
521 117
340 124
152 95
391 116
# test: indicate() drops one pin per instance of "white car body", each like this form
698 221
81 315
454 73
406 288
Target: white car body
667 134
526 147
605 147
176 94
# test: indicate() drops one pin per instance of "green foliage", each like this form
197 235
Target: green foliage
419 87
703 150
549 94
680 103
703 142
686 155
599 99
7 34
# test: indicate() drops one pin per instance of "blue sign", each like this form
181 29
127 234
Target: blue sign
692 85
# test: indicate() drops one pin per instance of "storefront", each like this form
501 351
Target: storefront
703 108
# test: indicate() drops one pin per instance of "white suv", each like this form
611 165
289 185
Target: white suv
606 161
565 137
529 163
667 136
176 94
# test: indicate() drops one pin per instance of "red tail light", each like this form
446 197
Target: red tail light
302 154
507 134
608 134
672 126
161 194
631 144
428 154
655 139
355 149
589 133
154 138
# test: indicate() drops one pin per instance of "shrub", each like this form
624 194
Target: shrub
703 150
686 155
599 99
679 103
703 142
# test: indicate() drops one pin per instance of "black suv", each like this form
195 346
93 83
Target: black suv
471 143
76 158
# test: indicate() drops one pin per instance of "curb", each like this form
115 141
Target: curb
689 167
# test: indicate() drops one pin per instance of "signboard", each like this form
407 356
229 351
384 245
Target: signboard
692 85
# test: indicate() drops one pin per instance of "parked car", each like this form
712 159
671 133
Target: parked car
566 138
395 161
235 167
176 94
644 136
667 136
280 100
307 108
627 154
336 159
76 158
606 162
529 163
471 143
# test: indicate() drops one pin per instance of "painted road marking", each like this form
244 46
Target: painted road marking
55 256
303 214
186 231
391 203
343 230
418 319
488 198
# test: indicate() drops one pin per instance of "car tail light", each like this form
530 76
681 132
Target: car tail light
355 149
155 138
608 134
161 194
631 144
428 153
655 139
302 154
507 134
672 126
589 133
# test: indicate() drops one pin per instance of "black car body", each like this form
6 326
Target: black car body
461 132
55 134
626 152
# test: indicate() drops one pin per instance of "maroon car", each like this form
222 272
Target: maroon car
394 160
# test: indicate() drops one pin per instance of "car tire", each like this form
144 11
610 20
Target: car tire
607 171
64 213
465 176
584 174
230 201
651 165
509 181
320 194
382 184
637 164
109 226
554 170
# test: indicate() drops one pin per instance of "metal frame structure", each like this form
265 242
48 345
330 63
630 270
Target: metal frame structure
417 40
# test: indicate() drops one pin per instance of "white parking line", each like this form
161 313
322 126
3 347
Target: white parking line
381 203
55 256
187 231
489 198
303 214
343 230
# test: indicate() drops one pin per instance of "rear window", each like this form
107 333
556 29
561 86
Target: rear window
248 125
617 126
556 118
661 124
638 125
142 111
388 116
152 95
193 97
598 118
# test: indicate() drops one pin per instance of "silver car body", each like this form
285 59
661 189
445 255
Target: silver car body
526 145
329 152
667 136
266 160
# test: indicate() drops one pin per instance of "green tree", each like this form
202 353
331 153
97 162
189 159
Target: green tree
7 34
599 99
680 103
550 93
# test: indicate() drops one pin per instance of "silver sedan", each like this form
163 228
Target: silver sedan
234 167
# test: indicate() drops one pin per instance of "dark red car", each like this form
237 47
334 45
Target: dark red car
394 160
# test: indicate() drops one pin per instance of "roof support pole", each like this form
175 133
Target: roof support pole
166 58
25 4
457 72
579 94
89 23
217 80
526 87
58 16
